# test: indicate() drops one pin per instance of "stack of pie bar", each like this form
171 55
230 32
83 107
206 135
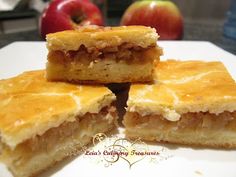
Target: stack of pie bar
43 122
46 115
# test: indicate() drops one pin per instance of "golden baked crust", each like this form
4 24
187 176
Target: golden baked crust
30 105
181 87
103 55
191 102
102 37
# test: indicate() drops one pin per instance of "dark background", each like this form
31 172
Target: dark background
203 20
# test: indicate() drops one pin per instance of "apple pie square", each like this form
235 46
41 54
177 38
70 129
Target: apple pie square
103 55
191 102
43 122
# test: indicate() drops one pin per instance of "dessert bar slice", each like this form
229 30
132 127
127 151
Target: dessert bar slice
95 54
43 122
192 102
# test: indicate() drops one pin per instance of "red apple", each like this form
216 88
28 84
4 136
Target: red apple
68 15
163 15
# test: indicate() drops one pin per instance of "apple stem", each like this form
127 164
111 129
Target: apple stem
77 19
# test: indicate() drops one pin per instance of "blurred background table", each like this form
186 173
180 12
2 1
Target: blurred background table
194 30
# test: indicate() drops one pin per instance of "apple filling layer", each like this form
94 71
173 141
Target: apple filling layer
107 65
192 128
37 153
126 52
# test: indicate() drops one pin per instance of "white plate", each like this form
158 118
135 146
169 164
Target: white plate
173 161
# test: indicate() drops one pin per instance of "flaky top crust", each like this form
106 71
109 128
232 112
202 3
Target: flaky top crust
101 37
181 87
30 105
